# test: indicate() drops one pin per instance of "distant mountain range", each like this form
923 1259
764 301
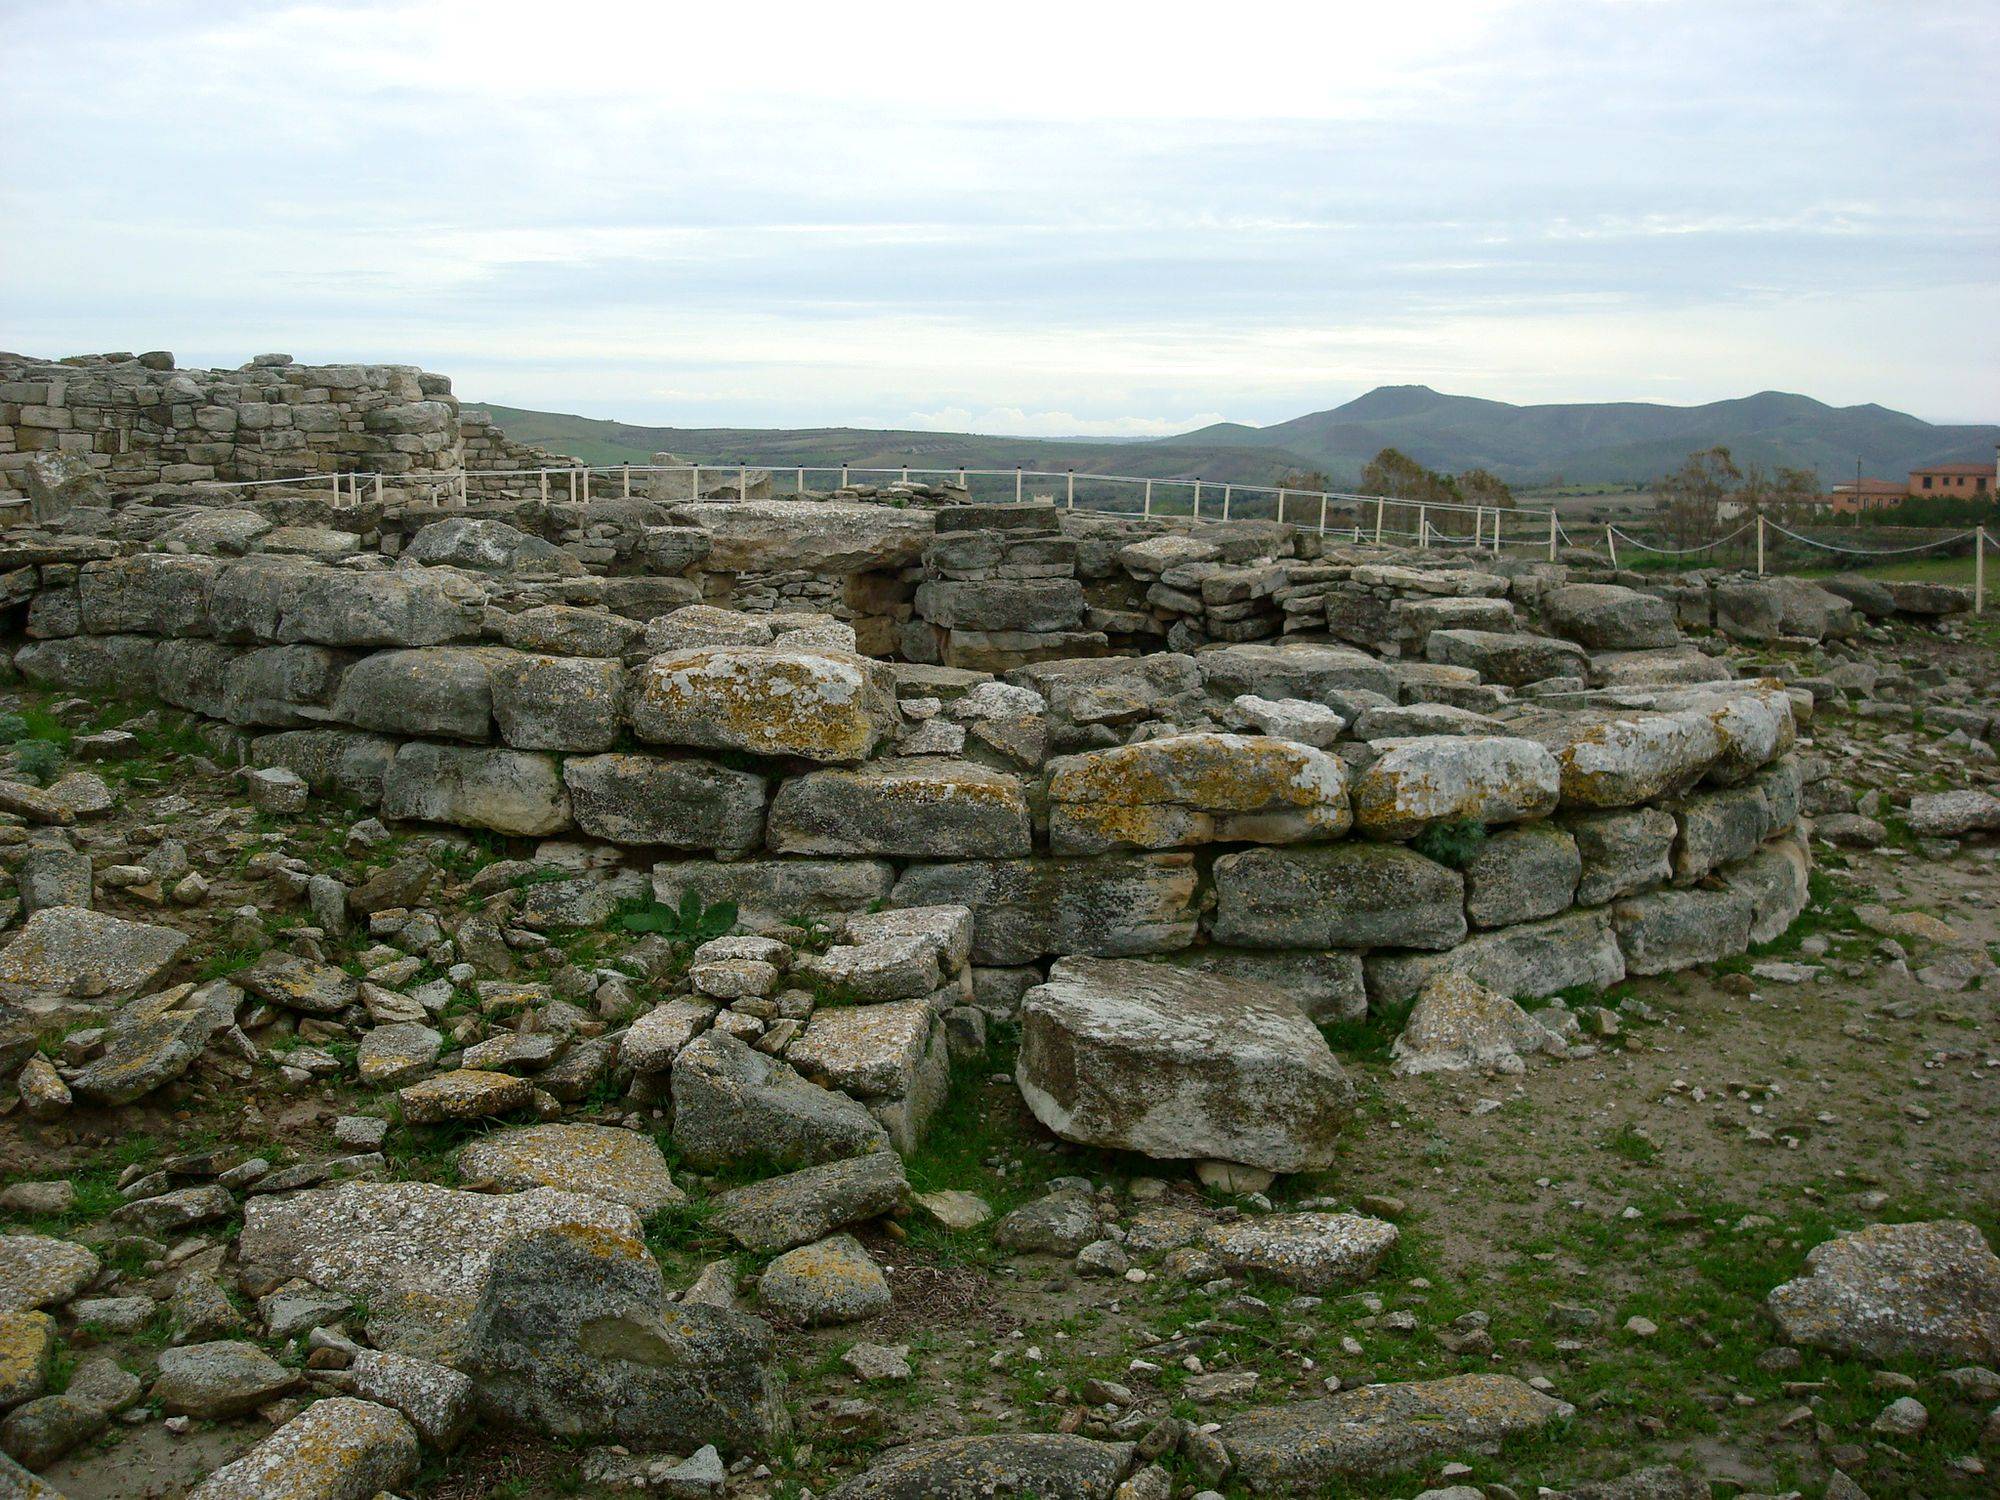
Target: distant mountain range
1610 443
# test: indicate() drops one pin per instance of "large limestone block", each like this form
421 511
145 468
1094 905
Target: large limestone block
1454 778
904 954
1299 670
1027 909
1670 930
683 804
1458 1024
1033 604
509 791
149 593
487 546
116 664
1327 985
1045 1465
829 706
416 1253
1718 828
1607 617
1179 1065
1091 700
770 893
919 807
403 607
1531 959
1619 759
1776 881
891 1056
573 1335
72 953
1315 1252
812 536
1341 896
340 1448
781 1213
1753 722
1196 789
573 703
1928 1291
280 687
1623 851
1512 660
1303 1446
597 1161
333 762
443 692
1462 583
1520 874
195 674
735 1105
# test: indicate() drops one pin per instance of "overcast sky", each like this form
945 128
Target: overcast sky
1029 218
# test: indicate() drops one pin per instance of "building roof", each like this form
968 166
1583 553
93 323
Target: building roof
1873 487
1968 469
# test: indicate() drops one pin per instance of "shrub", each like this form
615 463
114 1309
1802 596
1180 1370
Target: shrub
38 760
1452 844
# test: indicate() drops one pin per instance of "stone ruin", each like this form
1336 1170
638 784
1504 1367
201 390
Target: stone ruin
1167 796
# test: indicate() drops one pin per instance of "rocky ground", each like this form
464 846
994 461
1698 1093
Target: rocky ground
1605 1226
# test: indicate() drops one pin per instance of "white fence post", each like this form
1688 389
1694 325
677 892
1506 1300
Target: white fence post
1147 512
572 486
1611 545
843 476
625 478
1760 546
542 477
463 498
742 481
694 481
1379 503
1322 520
1197 499
1225 500
378 489
1552 533
1979 571
1423 529
1072 490
802 480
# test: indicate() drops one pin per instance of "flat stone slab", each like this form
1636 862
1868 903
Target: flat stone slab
73 953
467 1094
37 1271
597 1161
1380 1429
801 1207
1179 1065
1311 1251
415 1252
833 1281
1929 1290
334 1449
1045 1465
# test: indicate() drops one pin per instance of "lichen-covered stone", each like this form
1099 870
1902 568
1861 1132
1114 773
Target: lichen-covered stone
1458 1024
902 954
680 803
1928 1291
415 1252
558 702
1454 778
801 1207
770 893
1179 1065
221 1379
1620 759
1520 874
509 791
596 1161
733 1105
27 1344
1042 1465
1530 958
1608 617
1314 1252
572 1335
1512 660
919 807
337 1449
1025 909
829 706
893 1056
1381 1429
37 1271
1623 852
1670 930
1350 895
1196 789
833 1281
442 692
70 952
465 1094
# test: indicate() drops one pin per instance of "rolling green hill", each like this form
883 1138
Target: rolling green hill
1623 442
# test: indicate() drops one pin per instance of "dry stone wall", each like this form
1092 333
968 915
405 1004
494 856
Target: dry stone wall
1189 805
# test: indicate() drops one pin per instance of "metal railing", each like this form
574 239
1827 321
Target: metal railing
1366 518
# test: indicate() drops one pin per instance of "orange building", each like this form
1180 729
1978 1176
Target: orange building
1872 494
1953 481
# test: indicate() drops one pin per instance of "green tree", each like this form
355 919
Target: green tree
1694 495
1484 487
1395 474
